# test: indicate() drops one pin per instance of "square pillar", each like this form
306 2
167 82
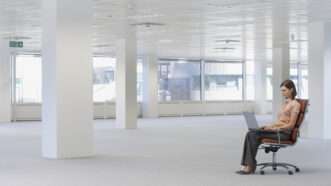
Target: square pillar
150 86
5 82
67 110
280 53
126 80
260 60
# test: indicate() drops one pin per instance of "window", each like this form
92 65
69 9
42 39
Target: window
299 75
104 87
139 80
179 80
28 79
294 74
269 82
223 81
104 79
250 80
303 83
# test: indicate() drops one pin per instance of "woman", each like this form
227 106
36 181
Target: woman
285 122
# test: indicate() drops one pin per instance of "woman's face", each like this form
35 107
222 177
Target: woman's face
286 92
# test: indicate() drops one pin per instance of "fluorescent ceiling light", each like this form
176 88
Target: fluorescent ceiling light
147 24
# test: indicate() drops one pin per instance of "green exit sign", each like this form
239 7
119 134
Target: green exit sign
16 44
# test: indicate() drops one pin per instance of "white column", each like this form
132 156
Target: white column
5 82
126 80
260 56
150 86
67 79
319 57
280 54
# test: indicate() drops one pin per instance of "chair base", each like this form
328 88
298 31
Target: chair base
275 165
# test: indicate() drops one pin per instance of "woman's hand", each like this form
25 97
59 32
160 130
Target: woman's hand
269 128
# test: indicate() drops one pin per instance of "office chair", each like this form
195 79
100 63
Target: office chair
270 145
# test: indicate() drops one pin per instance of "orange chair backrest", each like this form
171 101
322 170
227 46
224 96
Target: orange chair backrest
301 117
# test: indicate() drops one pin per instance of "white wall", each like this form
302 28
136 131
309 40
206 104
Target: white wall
107 110
5 93
319 80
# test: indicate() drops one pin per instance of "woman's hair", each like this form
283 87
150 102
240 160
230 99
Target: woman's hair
290 85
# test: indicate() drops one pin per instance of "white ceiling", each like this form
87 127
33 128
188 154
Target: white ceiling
184 28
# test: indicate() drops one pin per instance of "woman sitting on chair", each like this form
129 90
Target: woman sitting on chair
285 122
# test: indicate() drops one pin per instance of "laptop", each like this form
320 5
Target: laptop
251 121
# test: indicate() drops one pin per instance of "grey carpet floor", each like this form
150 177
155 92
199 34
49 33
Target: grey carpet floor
189 151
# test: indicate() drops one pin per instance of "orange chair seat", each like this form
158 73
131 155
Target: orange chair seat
282 142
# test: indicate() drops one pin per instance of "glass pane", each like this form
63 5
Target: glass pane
104 87
250 87
269 54
304 82
304 51
293 54
250 80
28 79
179 80
139 80
223 81
294 75
269 83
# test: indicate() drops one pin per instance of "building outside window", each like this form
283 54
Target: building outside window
269 82
250 80
104 79
179 80
223 81
104 87
139 80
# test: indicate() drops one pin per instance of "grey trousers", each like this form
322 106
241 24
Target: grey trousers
253 141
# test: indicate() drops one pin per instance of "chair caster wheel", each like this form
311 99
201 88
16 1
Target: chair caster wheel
297 170
262 172
274 168
290 173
